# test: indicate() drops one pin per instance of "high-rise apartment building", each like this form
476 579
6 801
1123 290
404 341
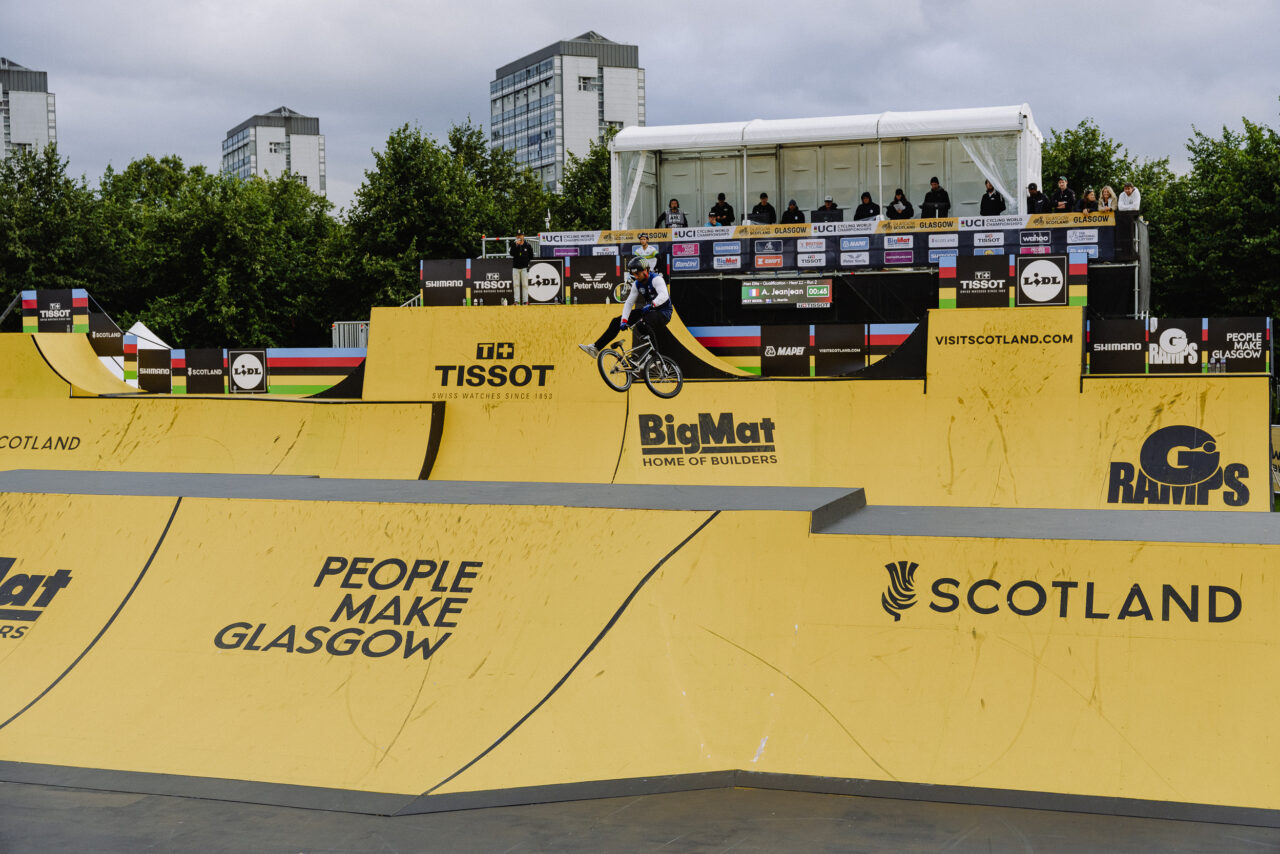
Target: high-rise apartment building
557 100
26 108
274 143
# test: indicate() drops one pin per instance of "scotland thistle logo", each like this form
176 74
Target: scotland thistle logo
901 594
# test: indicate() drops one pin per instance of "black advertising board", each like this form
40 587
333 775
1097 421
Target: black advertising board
248 371
154 371
982 281
1041 280
443 282
1117 346
593 279
490 280
1173 345
206 372
1238 345
105 337
839 348
546 281
784 351
55 310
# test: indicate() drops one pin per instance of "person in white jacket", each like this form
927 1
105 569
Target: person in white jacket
1130 198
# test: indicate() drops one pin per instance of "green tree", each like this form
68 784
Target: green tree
1087 157
584 200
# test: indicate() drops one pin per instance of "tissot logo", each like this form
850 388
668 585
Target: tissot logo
1063 599
495 375
24 597
1179 465
721 439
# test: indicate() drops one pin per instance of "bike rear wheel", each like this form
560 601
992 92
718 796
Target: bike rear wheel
614 370
663 377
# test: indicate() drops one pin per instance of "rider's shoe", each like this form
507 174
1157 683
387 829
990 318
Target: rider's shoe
589 349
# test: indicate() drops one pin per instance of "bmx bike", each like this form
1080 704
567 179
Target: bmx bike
620 367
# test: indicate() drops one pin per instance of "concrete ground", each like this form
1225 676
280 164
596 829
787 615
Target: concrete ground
50 820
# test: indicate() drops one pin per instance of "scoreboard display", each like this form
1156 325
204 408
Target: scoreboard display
800 293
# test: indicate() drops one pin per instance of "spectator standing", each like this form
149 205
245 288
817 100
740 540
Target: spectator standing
1089 201
937 203
672 217
764 213
646 252
792 213
1037 202
868 209
1106 199
992 202
1130 199
521 258
712 222
900 207
1063 199
723 211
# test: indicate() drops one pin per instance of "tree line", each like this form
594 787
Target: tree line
207 259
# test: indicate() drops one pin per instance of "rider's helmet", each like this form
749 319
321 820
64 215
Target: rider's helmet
635 265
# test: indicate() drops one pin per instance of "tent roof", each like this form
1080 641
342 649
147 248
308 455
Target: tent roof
887 125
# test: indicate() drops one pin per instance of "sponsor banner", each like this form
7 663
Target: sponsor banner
899 241
1174 345
703 234
684 250
105 337
855 259
984 223
155 374
811 244
490 280
901 226
1238 345
1062 220
493 370
773 247
633 235
944 241
794 230
801 293
1085 251
1082 235
593 280
990 250
766 262
837 229
1116 346
562 238
811 259
839 349
443 282
248 371
784 351
1035 238
936 255
988 238
1180 464
1034 250
546 281
685 265
206 371
1275 459
982 281
900 257
564 251
604 250
855 244
727 247
1042 281
727 262
55 310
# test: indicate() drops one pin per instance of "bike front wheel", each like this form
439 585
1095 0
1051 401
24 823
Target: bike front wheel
663 377
614 370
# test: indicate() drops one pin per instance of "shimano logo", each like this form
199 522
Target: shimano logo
1178 465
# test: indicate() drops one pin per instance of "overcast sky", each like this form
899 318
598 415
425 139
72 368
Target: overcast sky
139 77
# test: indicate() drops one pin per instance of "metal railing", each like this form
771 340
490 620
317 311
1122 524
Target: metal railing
351 333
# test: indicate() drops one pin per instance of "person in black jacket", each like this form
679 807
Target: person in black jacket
763 213
723 211
900 207
672 217
936 202
992 202
1037 202
792 213
1063 199
521 257
868 209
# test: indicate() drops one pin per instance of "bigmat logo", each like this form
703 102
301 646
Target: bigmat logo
1063 599
1178 465
713 440
410 595
25 597
495 375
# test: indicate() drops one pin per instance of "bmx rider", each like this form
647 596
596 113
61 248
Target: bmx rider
649 290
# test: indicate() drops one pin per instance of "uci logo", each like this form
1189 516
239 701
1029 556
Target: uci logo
1179 464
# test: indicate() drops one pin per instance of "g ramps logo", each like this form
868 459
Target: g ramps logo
24 597
901 594
1179 464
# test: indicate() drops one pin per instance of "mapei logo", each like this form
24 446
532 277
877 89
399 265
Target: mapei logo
1179 464
901 594
771 351
24 597
495 375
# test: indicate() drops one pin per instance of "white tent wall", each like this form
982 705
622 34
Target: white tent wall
807 159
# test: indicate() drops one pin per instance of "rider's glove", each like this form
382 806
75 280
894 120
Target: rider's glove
645 309
623 325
